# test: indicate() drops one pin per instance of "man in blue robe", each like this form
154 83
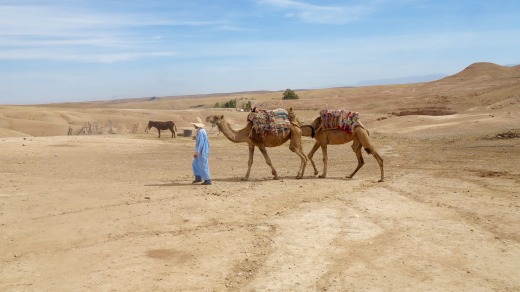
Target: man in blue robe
200 162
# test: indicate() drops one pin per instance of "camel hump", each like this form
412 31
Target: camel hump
339 119
270 121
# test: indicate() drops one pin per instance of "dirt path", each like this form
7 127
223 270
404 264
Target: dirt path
120 213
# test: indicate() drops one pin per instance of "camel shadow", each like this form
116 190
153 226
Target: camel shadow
189 183
239 180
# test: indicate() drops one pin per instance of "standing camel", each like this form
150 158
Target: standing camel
254 139
336 137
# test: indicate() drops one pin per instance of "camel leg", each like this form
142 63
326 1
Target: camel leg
296 147
356 147
379 161
311 154
250 161
325 160
268 161
303 158
159 133
364 140
303 164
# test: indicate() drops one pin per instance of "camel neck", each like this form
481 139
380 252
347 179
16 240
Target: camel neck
233 135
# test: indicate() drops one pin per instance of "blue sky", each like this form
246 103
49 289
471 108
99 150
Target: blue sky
82 50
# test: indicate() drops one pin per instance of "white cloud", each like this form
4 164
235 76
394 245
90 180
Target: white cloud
80 56
319 13
48 32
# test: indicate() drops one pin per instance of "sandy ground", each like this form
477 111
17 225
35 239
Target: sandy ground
119 213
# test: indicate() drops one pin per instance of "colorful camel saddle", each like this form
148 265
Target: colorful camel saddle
339 119
270 121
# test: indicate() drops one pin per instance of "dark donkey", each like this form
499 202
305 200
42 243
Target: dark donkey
163 126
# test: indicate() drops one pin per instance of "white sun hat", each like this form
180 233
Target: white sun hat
197 122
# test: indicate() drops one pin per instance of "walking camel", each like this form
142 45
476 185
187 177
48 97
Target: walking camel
324 137
255 139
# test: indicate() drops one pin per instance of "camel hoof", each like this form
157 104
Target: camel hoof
381 180
244 179
316 173
322 176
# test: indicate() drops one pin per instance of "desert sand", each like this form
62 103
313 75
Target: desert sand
118 212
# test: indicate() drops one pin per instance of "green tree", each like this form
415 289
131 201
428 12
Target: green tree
289 94
247 106
230 104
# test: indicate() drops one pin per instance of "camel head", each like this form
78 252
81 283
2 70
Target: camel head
214 119
293 118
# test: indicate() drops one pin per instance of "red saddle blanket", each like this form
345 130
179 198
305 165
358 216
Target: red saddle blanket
270 121
339 119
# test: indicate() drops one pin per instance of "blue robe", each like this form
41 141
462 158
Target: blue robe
200 164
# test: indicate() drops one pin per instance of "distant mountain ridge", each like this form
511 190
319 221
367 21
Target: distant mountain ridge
403 80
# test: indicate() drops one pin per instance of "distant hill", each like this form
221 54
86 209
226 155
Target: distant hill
484 71
403 80
485 89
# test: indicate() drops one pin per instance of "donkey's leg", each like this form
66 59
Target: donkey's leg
159 133
268 161
250 161
356 147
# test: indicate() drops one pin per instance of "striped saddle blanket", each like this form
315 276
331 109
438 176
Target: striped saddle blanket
270 121
339 119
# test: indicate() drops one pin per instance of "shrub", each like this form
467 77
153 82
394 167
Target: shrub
289 94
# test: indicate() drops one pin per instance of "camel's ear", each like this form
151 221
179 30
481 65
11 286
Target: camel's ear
222 117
